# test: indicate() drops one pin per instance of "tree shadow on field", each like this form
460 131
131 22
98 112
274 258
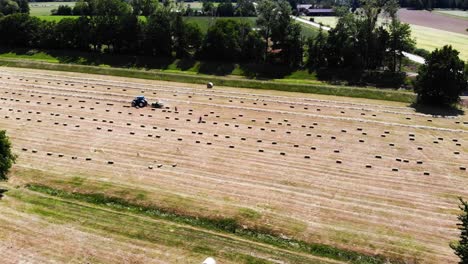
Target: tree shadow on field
437 110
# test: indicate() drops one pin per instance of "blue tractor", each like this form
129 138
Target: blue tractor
139 101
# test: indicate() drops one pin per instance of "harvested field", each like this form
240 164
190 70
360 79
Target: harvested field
369 176
433 20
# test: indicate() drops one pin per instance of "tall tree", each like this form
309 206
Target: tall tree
7 158
461 248
400 41
441 80
158 38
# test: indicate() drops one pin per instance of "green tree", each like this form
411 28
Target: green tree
225 9
62 10
21 29
316 50
7 158
208 8
158 38
400 41
441 80
461 248
246 8
224 40
8 7
276 27
187 37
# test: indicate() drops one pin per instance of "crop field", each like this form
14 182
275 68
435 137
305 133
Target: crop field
362 176
430 39
453 13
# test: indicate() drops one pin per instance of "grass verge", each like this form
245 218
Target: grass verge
369 93
219 224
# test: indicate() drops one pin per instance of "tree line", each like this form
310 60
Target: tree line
114 26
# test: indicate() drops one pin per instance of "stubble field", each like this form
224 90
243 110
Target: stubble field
367 176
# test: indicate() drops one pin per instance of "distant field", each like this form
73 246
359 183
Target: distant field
44 8
453 13
195 5
430 39
329 21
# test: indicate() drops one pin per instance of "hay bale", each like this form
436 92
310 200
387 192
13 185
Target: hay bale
24 149
306 157
282 154
49 154
260 150
231 146
313 148
462 168
361 141
419 162
368 166
336 151
378 157
338 161
88 159
420 148
426 173
34 151
110 162
456 153
394 169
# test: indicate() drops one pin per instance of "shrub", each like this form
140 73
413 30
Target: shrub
422 52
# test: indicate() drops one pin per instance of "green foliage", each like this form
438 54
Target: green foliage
62 10
316 50
441 80
229 40
461 247
225 9
245 8
7 158
399 40
8 7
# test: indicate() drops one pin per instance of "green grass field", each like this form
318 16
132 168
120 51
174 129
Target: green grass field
430 39
453 13
329 21
44 8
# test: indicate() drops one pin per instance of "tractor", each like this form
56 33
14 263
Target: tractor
139 101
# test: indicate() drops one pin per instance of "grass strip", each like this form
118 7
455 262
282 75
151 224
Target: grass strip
228 225
369 93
